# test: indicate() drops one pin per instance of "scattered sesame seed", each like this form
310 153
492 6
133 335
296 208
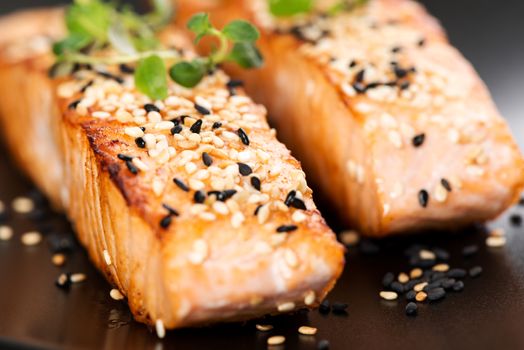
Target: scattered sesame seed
458 286
403 277
160 329
202 110
456 273
349 238
323 345
77 277
206 159
199 197
58 259
243 136
324 307
131 167
415 273
436 294
423 198
388 279
244 169
309 298
166 221
421 296
515 219
411 309
441 267
124 68
475 271
124 157
445 183
496 241
23 205
181 184
264 327
285 307
107 257
418 140
6 233
388 295
199 252
149 107
470 250
286 228
140 142
74 104
216 125
255 182
196 127
115 294
176 130
63 281
339 308
425 254
420 286
31 238
306 330
276 340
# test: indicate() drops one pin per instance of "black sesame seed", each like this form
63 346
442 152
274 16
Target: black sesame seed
289 198
404 85
396 286
421 42
373 85
170 209
226 194
124 157
458 286
418 140
60 244
411 309
400 72
515 219
166 221
339 308
202 110
149 107
368 248
143 128
359 88
411 295
359 77
140 142
86 86
124 68
110 76
441 254
243 136
521 202
74 104
199 197
423 198
176 129
388 279
470 250
132 168
234 83
298 203
217 125
286 228
448 283
324 307
257 209
244 169
181 184
456 273
445 183
352 64
396 49
255 182
196 127
323 345
206 159
475 271
436 294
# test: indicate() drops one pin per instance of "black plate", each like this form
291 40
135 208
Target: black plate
488 314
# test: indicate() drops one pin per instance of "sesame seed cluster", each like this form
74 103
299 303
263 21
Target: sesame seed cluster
205 153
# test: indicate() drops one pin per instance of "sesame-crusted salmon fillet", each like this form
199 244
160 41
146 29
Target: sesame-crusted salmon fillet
188 205
389 120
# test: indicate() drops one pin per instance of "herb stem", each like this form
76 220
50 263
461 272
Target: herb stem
119 59
221 54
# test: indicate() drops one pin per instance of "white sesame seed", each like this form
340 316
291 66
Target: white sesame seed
291 258
285 307
190 168
6 233
154 117
115 294
31 238
164 125
415 273
387 295
419 287
107 257
349 237
276 340
496 241
441 267
134 131
58 259
403 277
305 330
160 329
309 298
23 205
101 115
440 194
263 214
77 277
237 219
298 216
199 252
140 164
264 327
427 255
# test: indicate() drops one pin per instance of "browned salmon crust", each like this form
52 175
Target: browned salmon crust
391 122
219 243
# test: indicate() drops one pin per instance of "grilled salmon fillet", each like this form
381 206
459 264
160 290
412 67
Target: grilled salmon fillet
390 122
189 205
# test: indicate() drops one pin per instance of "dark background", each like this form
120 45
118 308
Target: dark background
488 314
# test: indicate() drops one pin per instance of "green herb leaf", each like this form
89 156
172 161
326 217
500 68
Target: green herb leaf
151 77
188 74
241 31
74 42
89 18
246 55
199 24
285 8
161 15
